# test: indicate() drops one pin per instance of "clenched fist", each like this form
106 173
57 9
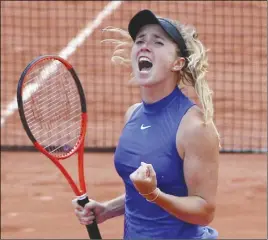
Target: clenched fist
144 179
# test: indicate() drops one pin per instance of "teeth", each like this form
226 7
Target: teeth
144 59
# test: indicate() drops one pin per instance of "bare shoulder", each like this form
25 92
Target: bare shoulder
130 110
194 134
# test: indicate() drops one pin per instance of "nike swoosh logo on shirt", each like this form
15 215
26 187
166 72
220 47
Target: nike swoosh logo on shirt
144 127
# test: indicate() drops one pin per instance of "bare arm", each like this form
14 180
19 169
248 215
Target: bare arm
115 207
198 145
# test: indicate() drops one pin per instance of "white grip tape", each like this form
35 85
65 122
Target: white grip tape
82 197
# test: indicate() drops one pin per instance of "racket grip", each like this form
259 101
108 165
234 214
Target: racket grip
92 229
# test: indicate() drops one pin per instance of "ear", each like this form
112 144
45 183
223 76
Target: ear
178 64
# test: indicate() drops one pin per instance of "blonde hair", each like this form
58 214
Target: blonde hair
193 73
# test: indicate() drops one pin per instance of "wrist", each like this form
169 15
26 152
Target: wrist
152 196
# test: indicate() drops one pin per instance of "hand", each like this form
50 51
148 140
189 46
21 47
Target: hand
144 178
85 215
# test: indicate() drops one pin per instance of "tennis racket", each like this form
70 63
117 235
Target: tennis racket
52 109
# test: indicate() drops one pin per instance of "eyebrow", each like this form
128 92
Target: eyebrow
155 35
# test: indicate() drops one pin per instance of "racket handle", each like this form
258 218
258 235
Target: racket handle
92 229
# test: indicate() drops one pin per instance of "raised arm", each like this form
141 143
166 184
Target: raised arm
198 146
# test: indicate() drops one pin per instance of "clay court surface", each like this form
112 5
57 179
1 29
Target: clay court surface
35 197
36 200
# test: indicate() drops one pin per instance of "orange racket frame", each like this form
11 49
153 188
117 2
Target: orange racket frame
80 192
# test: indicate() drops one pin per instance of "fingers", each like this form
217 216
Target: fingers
149 169
85 215
143 164
132 176
139 173
75 203
87 220
144 171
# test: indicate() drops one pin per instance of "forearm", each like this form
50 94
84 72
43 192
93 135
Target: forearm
191 209
115 207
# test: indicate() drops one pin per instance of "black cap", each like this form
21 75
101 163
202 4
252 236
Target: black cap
146 17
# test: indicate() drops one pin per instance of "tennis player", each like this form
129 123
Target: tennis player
167 155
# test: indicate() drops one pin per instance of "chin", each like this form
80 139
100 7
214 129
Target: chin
146 82
149 82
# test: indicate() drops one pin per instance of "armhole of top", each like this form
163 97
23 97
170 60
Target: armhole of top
135 109
185 110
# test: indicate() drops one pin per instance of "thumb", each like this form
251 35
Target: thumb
151 170
91 205
76 205
131 176
143 164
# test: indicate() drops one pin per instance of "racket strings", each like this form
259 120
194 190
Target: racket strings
35 79
53 112
71 97
45 97
36 126
55 134
65 147
46 113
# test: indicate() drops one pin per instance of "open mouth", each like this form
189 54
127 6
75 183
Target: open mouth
145 64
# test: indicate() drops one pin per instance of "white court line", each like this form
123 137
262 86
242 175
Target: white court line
77 41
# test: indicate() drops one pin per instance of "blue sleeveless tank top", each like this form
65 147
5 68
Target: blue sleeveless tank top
150 136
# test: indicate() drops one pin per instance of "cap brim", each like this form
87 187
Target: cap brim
141 19
146 17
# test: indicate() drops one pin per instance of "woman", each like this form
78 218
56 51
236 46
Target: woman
167 154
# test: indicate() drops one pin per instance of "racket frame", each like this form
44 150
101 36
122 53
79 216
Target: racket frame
92 229
79 147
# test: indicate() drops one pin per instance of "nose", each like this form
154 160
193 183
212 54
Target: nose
145 45
144 48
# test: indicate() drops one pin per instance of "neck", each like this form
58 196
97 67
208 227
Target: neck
156 92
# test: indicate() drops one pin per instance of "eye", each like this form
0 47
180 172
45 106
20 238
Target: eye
159 43
139 42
